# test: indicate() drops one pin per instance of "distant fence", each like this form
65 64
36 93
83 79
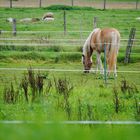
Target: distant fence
101 4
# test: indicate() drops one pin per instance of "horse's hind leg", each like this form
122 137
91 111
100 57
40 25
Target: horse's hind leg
109 67
115 68
112 66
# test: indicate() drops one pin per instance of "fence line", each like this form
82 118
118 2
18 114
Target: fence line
91 13
66 44
63 70
121 20
45 39
72 31
72 122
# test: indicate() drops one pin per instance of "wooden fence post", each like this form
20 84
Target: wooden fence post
105 65
72 2
95 22
65 22
11 5
14 27
40 3
129 45
104 4
137 1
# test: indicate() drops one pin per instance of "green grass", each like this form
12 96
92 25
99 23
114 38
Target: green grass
68 57
52 132
99 97
89 99
107 18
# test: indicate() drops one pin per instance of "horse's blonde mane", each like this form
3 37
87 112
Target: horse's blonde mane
86 47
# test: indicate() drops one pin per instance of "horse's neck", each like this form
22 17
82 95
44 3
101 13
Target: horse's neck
88 49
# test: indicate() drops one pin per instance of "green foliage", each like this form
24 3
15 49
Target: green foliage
66 7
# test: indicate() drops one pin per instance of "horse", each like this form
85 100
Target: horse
96 41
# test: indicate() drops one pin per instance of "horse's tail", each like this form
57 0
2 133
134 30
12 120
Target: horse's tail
114 49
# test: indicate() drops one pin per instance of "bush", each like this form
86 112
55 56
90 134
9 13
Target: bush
66 7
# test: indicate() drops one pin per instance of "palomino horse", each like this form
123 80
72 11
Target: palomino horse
96 41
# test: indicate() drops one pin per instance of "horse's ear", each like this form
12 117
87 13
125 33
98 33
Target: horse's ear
83 55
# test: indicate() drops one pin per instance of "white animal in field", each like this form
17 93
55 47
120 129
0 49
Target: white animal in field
29 20
9 20
48 17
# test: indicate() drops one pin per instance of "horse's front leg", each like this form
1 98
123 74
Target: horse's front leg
99 64
101 67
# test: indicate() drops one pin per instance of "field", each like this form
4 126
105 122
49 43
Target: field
41 77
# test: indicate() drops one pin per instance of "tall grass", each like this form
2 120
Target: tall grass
63 96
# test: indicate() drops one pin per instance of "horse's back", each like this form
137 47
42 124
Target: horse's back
102 36
107 34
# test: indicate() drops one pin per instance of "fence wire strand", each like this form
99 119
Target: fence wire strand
73 122
63 70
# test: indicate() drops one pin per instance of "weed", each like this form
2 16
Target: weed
64 88
116 99
2 114
137 106
32 85
24 85
89 112
49 85
79 110
129 88
32 82
39 83
10 95
124 86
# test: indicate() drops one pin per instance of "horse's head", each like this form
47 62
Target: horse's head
87 62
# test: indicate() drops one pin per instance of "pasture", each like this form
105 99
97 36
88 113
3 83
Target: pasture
41 77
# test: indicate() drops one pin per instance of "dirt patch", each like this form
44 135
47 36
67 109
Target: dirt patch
100 5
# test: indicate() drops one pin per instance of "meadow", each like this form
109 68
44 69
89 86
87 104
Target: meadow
47 94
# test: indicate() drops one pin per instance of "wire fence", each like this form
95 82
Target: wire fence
64 24
73 122
65 70
101 4
73 36
55 44
36 41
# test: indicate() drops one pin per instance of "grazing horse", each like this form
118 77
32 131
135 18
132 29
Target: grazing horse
96 41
